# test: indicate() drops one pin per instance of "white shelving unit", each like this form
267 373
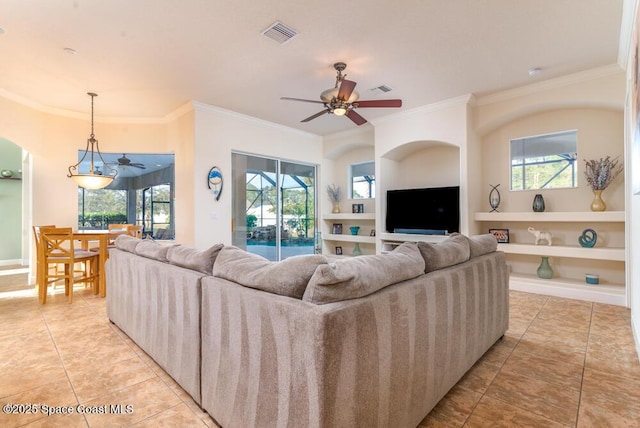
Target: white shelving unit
366 221
563 287
558 217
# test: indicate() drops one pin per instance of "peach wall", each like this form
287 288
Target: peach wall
218 132
600 134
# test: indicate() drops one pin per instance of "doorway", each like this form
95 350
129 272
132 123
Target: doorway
274 206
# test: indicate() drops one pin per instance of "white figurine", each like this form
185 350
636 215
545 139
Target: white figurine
540 235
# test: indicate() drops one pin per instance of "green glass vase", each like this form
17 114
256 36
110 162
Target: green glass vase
544 270
356 250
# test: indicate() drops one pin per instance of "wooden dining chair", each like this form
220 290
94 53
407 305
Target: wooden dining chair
135 231
57 248
119 229
38 240
114 229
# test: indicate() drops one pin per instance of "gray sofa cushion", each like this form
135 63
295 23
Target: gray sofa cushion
482 244
190 258
449 252
360 276
288 277
127 243
152 250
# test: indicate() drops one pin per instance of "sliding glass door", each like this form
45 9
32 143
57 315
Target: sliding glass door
274 209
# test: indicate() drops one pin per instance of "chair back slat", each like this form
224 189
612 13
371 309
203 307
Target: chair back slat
57 242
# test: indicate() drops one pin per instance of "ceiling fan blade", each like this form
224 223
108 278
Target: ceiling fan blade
378 103
310 118
346 88
356 118
301 99
138 165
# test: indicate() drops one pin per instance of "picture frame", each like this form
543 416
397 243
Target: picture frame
357 208
502 235
338 251
337 229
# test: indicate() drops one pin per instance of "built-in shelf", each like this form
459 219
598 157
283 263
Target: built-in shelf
350 216
615 254
563 287
612 294
582 216
366 222
350 238
11 178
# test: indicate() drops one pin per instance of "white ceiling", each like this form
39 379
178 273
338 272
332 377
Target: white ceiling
147 58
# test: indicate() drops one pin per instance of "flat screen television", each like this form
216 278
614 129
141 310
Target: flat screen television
431 211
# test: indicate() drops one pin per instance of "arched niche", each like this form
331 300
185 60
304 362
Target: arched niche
417 164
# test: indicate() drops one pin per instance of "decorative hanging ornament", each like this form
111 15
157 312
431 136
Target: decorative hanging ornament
214 181
494 198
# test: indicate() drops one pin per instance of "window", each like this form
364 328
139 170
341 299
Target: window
363 180
142 194
544 161
274 206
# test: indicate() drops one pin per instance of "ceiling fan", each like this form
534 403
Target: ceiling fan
125 161
342 100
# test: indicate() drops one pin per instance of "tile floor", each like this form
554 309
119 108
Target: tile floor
563 363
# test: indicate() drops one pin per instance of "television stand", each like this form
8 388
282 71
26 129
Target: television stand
391 240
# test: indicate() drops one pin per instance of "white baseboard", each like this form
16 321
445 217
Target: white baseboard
611 295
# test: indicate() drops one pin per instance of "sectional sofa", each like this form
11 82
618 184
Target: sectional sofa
311 342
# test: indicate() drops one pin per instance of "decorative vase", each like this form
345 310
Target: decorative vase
598 204
538 203
544 270
356 250
336 207
354 230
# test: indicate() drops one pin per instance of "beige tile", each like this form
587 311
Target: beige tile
92 381
571 347
543 367
492 413
613 355
136 403
609 400
456 406
536 396
620 311
44 397
179 415
479 377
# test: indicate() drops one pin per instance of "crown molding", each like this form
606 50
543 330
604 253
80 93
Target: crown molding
558 82
87 116
429 108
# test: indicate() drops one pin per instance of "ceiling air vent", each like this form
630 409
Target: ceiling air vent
382 89
280 33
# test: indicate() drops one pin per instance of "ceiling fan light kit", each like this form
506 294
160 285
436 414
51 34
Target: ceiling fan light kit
342 99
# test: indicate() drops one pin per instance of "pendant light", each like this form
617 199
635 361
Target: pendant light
95 179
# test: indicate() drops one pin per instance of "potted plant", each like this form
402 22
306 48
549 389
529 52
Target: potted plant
600 173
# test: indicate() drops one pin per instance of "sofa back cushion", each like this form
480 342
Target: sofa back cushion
288 277
354 277
152 250
190 258
127 243
482 244
449 252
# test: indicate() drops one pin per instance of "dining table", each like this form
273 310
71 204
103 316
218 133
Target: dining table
102 237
